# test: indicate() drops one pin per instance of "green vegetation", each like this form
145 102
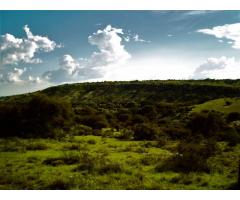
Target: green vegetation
122 135
225 105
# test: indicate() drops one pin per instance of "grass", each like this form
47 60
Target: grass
107 163
225 105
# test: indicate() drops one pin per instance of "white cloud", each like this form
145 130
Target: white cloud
153 65
127 39
14 76
110 49
111 52
34 80
15 50
68 64
218 68
227 31
137 38
200 12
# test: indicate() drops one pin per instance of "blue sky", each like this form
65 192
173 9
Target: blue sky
39 49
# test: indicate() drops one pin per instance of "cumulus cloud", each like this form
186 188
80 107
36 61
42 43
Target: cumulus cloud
18 51
111 52
110 49
230 32
68 64
218 68
13 76
15 50
67 71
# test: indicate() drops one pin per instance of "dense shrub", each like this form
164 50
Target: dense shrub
67 158
191 155
97 164
40 116
125 134
233 116
146 132
176 132
80 129
207 124
137 119
230 135
95 121
123 117
148 111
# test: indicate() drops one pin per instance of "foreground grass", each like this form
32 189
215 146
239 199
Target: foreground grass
94 162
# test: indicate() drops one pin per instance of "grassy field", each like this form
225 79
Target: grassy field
95 162
225 105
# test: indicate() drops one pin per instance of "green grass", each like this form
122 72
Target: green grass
106 163
225 105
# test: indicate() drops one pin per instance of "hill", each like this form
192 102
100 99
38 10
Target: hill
122 135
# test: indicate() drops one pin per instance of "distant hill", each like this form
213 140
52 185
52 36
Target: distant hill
187 91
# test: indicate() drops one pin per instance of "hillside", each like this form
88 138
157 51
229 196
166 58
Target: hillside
122 135
224 105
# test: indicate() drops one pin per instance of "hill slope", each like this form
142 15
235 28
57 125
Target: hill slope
122 135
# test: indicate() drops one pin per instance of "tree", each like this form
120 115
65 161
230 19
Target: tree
39 116
206 123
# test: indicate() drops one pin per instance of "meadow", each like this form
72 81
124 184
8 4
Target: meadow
95 162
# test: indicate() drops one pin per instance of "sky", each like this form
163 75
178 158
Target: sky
39 49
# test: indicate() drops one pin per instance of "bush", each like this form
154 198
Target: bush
137 119
230 135
97 121
81 129
146 132
150 159
87 163
67 158
97 164
91 141
109 167
32 146
207 124
38 116
233 116
123 117
60 183
176 133
125 134
191 156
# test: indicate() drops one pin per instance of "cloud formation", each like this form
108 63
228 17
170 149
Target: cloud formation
15 50
230 32
13 76
111 52
218 68
19 51
110 49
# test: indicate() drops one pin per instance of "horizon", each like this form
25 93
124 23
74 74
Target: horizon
119 81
